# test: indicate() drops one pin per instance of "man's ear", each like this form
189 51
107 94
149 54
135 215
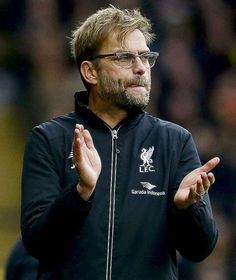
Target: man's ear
88 72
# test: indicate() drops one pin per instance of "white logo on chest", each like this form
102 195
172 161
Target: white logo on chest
71 157
147 190
145 156
148 185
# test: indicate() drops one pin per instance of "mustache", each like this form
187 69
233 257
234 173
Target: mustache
140 81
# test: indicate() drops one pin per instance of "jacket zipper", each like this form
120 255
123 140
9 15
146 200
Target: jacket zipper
111 214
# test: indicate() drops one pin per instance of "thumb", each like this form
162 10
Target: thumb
212 163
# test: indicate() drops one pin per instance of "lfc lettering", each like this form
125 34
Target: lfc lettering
146 168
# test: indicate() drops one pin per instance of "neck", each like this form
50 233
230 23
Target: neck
108 112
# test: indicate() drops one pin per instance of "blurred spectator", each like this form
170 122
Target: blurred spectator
217 38
20 265
223 110
47 51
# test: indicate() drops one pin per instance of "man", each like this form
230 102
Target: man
108 191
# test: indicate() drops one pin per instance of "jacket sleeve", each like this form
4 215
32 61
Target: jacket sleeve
193 230
51 213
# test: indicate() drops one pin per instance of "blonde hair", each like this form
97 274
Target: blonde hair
88 37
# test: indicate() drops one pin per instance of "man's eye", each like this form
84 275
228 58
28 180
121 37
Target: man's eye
146 55
125 56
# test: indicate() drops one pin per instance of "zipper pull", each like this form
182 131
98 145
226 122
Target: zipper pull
114 134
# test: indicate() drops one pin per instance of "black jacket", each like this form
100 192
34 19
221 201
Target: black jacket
130 228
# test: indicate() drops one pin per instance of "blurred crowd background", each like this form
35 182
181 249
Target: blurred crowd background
193 84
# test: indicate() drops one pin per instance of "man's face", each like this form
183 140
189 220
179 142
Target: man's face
124 87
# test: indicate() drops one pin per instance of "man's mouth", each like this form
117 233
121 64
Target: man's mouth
136 85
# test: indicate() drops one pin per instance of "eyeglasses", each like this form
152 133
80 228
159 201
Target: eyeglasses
126 59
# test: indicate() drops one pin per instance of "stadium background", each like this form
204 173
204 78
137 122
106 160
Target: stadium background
194 85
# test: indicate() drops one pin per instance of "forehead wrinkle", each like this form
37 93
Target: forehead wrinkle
114 43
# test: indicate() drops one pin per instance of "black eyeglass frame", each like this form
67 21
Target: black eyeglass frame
120 53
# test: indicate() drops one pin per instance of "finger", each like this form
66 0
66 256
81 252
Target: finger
199 188
78 141
79 130
199 191
205 181
211 178
192 195
195 194
79 126
88 139
212 163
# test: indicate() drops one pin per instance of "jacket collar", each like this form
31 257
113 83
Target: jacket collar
81 109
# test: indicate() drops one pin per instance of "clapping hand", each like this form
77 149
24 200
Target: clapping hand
195 184
86 161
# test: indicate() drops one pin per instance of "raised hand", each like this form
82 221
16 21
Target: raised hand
195 184
86 161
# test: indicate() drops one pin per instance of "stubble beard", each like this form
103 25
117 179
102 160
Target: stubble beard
118 92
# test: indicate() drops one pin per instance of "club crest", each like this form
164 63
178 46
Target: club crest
146 157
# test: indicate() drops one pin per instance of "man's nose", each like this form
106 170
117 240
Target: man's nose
138 66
